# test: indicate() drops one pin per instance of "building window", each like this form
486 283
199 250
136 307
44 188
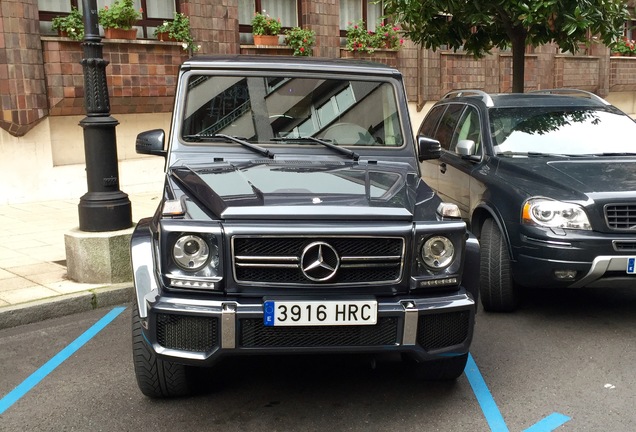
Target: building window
154 13
287 10
368 11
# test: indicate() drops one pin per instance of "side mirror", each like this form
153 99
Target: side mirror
465 147
151 142
428 148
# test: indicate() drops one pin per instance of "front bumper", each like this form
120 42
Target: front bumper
200 331
599 260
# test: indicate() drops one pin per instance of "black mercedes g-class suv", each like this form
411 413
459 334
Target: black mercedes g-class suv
294 220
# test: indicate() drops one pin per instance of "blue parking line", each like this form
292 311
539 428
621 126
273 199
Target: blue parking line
549 423
14 395
486 402
489 407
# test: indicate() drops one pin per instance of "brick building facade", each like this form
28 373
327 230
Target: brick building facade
41 77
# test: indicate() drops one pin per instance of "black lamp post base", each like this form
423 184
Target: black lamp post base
104 211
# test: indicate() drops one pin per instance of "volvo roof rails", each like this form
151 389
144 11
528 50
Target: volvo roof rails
573 92
485 97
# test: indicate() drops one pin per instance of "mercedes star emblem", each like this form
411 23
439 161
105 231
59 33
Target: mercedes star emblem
319 261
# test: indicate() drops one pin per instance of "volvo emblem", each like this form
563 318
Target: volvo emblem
319 261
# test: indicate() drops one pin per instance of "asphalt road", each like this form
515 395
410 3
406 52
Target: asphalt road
567 355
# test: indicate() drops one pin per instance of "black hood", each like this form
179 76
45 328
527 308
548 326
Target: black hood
571 178
303 190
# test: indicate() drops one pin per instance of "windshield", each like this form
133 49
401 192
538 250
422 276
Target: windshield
282 110
576 132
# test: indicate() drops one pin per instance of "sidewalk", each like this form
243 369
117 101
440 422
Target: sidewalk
33 257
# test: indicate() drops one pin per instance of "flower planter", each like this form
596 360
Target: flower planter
117 33
267 40
165 37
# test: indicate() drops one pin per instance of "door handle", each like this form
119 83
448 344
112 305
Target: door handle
442 168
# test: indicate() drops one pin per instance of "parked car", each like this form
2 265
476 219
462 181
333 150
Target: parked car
294 220
546 180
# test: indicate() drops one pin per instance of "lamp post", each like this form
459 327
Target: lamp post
104 207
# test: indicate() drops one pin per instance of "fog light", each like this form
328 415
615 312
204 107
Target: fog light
565 274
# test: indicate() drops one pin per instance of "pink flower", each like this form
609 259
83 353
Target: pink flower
401 41
302 49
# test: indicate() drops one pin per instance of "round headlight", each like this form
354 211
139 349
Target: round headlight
437 252
191 252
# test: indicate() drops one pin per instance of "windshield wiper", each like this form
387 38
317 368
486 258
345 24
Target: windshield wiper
345 151
533 154
222 137
614 154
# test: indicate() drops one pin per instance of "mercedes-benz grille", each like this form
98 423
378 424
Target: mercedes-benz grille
317 260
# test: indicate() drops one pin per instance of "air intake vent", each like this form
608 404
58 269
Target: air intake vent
256 335
187 333
442 330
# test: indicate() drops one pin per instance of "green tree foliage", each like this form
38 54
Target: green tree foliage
477 26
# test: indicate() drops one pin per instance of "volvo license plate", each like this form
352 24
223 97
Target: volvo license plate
320 313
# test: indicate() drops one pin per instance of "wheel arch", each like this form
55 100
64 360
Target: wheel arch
480 214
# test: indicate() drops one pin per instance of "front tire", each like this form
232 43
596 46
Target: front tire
156 378
498 290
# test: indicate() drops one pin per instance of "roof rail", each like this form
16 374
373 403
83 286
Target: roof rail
485 97
573 92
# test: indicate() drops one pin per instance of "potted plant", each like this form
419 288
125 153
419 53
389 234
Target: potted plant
359 39
265 29
300 40
71 25
177 30
624 47
388 36
121 15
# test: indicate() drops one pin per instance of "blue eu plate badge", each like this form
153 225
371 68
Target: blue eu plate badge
630 265
268 313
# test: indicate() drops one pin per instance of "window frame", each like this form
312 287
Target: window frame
365 15
258 6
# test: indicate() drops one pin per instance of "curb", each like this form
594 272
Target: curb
68 304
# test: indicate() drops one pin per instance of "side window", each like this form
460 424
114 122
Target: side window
429 125
447 125
468 128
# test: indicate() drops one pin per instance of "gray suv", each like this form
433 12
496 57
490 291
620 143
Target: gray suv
294 220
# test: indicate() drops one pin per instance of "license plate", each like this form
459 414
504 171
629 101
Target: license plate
320 313
630 265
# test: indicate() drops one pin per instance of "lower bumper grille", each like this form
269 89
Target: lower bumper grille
187 333
256 335
437 331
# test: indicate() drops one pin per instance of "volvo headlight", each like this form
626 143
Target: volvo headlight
554 214
192 253
437 252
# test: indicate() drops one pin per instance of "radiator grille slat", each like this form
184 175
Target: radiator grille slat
621 216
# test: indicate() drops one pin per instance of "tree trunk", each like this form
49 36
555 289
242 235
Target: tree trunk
518 60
